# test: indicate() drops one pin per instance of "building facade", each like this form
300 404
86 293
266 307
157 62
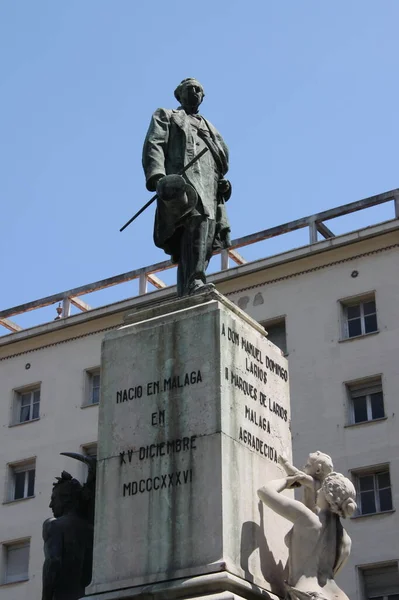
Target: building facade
331 306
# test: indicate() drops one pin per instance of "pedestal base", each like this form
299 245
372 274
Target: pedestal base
194 413
214 586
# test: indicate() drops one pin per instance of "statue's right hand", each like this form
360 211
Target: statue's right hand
296 480
153 180
300 479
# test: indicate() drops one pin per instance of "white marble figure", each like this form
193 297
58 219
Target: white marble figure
318 544
317 467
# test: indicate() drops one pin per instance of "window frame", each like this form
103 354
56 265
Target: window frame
14 545
89 387
17 403
373 471
359 300
282 319
14 469
87 449
358 389
365 569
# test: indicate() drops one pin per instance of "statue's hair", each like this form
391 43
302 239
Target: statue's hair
69 488
324 460
183 83
340 494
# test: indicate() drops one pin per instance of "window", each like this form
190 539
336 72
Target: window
16 561
366 400
374 491
360 317
22 480
276 333
90 449
26 405
381 582
93 387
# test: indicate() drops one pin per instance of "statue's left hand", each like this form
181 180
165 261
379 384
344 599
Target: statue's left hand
224 188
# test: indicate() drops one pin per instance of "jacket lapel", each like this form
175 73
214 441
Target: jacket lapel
179 117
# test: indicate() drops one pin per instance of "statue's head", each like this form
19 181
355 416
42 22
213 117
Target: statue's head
66 496
190 94
339 493
318 465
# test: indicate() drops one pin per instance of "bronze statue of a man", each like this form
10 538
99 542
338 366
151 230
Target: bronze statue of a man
68 542
191 220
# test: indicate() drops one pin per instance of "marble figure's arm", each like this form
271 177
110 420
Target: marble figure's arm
305 480
289 508
344 552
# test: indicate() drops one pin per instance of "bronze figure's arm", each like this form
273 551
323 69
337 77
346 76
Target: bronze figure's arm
155 148
52 566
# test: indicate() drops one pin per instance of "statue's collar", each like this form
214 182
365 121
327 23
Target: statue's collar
181 110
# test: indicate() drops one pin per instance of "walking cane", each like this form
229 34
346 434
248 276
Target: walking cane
183 170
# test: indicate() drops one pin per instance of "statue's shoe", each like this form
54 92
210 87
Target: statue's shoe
201 288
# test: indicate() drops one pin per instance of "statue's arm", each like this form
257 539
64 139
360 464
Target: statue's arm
306 480
52 537
344 552
155 148
289 508
287 466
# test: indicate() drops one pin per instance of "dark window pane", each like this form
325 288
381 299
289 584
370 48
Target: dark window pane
370 323
25 414
367 501
383 480
353 311
393 597
96 380
277 335
31 482
376 597
366 483
95 396
19 480
385 499
36 396
25 399
354 328
377 405
369 307
35 413
360 409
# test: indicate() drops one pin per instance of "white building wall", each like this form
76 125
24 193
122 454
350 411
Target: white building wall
63 426
319 361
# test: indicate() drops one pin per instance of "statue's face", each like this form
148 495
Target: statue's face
191 95
56 504
311 467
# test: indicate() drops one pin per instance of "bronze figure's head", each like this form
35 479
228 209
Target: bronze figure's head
190 94
66 496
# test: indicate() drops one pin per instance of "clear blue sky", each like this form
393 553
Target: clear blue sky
304 93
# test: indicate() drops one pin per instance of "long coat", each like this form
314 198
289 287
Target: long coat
169 145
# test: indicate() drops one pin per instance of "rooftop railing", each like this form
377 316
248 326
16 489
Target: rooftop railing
145 275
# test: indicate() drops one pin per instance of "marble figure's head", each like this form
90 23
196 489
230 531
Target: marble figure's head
340 494
66 495
318 465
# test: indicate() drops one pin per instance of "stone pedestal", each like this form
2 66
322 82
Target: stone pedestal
193 416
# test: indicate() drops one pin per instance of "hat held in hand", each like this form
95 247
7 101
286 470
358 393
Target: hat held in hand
178 196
